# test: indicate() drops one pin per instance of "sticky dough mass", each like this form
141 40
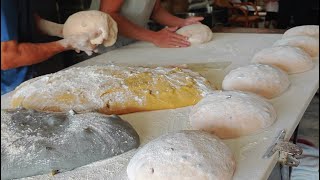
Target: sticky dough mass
197 33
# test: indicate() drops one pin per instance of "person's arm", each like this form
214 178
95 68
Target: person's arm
163 38
14 54
162 16
48 27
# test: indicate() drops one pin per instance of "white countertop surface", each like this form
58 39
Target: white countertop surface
236 50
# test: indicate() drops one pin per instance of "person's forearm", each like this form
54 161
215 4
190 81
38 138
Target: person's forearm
48 27
130 30
15 54
162 16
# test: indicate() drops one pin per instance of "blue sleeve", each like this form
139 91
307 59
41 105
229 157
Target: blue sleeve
9 20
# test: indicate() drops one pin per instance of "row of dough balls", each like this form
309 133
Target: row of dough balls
242 108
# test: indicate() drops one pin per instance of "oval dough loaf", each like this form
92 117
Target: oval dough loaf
231 114
306 43
307 30
197 33
92 21
183 155
261 79
288 58
35 143
112 89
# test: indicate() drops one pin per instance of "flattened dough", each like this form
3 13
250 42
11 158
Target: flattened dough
183 155
231 114
112 89
261 79
306 30
34 143
92 21
306 43
290 59
197 33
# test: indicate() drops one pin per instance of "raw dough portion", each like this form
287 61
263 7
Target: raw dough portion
307 30
197 33
112 89
92 21
261 79
288 58
231 114
306 43
35 143
183 155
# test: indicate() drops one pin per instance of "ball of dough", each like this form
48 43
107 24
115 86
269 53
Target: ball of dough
231 114
288 58
34 143
261 79
112 89
196 33
183 155
306 43
92 21
307 30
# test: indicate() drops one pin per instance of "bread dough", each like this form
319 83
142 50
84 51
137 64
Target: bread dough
183 155
35 143
197 33
112 89
306 43
307 30
92 21
231 114
261 79
288 58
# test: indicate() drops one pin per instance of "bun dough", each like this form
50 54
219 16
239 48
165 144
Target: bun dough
307 30
306 43
264 80
183 155
92 21
288 58
231 114
34 143
197 33
112 89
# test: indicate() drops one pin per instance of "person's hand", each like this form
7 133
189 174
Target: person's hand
192 20
167 38
81 42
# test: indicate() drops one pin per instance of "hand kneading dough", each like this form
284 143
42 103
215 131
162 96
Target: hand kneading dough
183 155
112 89
306 43
35 143
261 79
197 33
288 58
307 30
92 21
231 114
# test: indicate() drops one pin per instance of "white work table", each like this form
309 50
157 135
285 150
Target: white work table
230 49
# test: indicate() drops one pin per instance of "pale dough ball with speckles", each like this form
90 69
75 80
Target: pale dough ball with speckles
290 59
261 79
231 114
306 30
92 21
196 33
306 43
183 155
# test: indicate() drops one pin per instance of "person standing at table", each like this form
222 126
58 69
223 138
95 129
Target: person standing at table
272 8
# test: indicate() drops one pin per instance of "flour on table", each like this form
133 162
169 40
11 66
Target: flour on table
231 114
261 79
290 59
183 155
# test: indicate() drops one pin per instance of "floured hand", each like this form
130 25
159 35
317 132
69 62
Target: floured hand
81 42
192 20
